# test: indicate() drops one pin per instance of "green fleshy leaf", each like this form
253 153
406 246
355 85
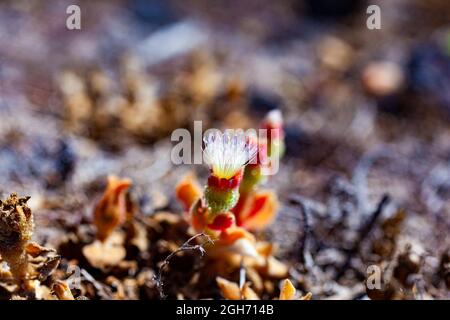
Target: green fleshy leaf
252 178
221 200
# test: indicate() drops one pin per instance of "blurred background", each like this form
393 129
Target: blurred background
367 112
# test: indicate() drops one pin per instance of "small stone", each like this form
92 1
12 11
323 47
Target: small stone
382 78
335 53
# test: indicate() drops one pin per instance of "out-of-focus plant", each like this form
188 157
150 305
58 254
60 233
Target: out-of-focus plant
110 213
29 263
16 229
111 210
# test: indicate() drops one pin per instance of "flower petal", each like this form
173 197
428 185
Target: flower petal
227 153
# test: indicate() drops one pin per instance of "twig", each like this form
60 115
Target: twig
363 232
242 274
361 172
184 247
418 286
100 287
306 229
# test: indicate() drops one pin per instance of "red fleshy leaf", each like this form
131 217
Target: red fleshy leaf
222 221
257 205
188 191
258 211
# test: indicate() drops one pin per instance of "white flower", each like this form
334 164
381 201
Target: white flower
274 119
226 153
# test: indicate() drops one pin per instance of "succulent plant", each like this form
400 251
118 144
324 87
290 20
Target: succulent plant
16 229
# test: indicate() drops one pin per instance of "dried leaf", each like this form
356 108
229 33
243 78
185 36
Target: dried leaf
307 296
188 190
103 255
62 291
228 289
35 250
46 268
235 240
111 211
255 279
274 268
248 293
287 291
